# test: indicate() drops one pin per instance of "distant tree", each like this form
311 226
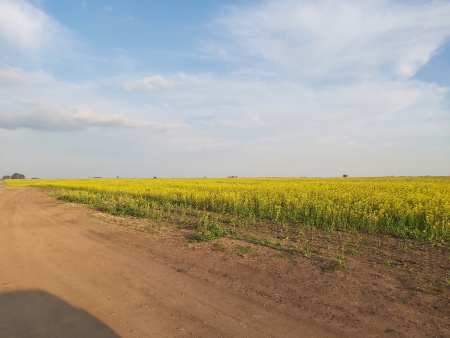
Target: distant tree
18 176
6 177
345 175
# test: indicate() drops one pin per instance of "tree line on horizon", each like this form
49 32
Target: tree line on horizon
14 176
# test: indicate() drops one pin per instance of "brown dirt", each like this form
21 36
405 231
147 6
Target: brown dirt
69 270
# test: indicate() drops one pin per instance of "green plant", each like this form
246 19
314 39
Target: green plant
340 260
293 249
206 230
306 252
338 264
387 262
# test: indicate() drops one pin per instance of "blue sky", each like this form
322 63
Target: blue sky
217 88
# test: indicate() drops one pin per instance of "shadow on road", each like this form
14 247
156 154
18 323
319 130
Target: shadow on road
36 313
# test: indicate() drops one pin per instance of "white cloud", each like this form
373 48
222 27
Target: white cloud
36 100
156 82
235 112
189 78
148 83
340 39
30 30
11 75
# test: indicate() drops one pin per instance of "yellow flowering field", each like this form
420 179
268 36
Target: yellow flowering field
406 207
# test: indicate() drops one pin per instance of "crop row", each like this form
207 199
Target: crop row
406 207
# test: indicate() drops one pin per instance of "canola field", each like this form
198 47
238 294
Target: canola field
405 207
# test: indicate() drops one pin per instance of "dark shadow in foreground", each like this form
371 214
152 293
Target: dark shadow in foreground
36 313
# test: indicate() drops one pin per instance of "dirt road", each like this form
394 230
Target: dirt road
64 273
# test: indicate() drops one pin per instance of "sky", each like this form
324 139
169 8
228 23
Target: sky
216 88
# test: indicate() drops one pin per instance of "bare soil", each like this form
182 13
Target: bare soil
69 270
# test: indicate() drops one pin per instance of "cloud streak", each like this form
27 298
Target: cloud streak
149 83
156 82
48 117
